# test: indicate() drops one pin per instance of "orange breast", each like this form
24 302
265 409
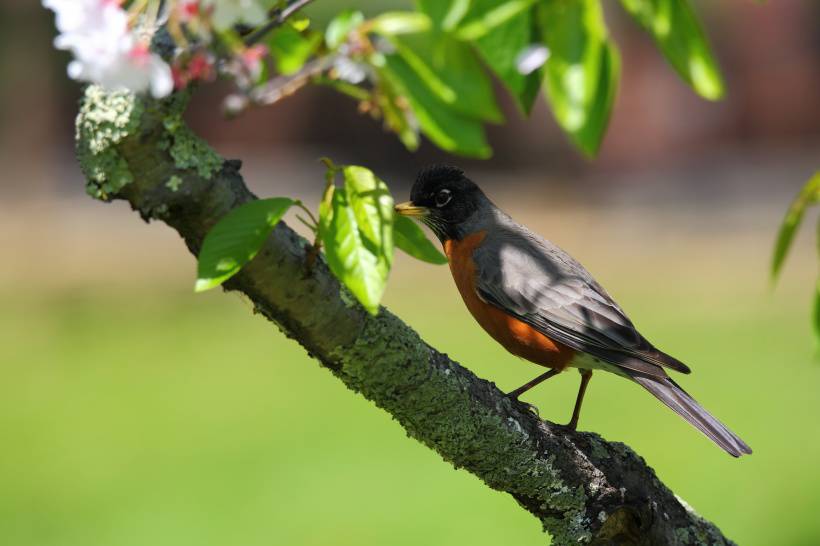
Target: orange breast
516 336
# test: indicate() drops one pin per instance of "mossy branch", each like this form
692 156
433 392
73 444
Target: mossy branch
581 488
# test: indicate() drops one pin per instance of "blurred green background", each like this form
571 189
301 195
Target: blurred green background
133 412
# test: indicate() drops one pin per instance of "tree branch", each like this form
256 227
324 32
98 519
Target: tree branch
582 488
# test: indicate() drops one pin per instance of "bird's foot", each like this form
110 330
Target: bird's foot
569 427
529 407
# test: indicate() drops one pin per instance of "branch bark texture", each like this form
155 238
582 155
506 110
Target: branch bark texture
581 488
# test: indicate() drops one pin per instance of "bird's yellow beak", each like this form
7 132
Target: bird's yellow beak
409 209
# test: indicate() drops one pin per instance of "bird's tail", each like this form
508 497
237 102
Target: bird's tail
668 392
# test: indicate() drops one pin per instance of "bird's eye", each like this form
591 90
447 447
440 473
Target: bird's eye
443 197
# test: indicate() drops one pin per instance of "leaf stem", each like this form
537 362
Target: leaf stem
315 223
307 224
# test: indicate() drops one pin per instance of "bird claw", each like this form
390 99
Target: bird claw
529 407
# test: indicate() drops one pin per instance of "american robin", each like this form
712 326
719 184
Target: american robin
541 304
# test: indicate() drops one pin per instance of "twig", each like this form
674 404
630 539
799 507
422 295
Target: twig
279 17
284 86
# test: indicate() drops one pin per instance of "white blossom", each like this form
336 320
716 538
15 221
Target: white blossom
72 15
106 50
228 13
531 58
349 70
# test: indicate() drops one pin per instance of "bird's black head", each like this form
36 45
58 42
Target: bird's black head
443 198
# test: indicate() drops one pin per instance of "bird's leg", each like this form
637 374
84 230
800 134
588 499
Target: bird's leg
527 386
586 375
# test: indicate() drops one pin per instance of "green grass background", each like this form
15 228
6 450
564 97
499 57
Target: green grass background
133 412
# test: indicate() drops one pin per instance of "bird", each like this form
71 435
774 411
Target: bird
541 304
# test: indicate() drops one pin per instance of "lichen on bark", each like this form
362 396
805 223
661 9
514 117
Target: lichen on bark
187 149
105 119
428 396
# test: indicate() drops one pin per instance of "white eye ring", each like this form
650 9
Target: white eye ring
443 197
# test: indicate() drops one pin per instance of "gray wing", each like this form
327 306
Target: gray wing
543 286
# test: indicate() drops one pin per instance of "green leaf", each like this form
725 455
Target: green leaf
590 136
236 239
372 206
346 88
486 15
347 256
499 31
582 71
445 127
500 48
471 19
340 27
392 23
299 21
409 237
816 312
291 49
452 72
446 14
680 36
326 204
809 195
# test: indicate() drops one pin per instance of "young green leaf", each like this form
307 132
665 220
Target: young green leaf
680 36
299 21
236 239
340 27
291 49
392 23
445 127
582 71
347 255
809 195
409 237
372 206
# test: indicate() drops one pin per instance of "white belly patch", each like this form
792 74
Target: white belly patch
585 361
